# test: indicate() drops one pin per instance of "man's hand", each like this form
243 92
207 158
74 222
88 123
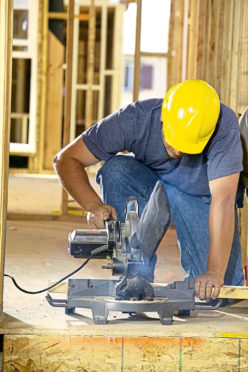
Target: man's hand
207 286
98 214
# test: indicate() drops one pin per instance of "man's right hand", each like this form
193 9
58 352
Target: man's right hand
97 215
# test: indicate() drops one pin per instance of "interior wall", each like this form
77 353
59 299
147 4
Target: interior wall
208 40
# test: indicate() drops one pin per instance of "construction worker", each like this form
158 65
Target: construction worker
191 142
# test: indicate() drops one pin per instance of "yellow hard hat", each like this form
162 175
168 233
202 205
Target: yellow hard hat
190 112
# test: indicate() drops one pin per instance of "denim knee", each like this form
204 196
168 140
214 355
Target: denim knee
115 167
123 176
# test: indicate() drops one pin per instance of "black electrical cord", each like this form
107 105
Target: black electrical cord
94 253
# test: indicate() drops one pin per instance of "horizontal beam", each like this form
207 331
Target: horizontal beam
63 16
71 217
152 54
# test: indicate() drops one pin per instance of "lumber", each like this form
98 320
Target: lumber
226 291
234 54
226 52
178 46
54 100
68 89
201 38
136 80
85 353
103 44
90 64
193 39
68 77
6 20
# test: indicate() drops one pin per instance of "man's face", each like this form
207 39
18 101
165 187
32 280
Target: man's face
173 153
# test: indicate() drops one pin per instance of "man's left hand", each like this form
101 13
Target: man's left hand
207 286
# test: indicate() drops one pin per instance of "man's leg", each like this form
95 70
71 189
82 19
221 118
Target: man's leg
191 215
121 177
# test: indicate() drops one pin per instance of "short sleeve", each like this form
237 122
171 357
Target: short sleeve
111 135
225 154
127 129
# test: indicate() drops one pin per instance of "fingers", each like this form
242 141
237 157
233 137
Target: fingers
109 212
203 290
114 213
97 216
216 292
206 290
95 221
197 287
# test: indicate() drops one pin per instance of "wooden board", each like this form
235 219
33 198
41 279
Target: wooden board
124 354
6 20
225 292
54 100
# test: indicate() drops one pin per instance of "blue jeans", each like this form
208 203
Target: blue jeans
123 176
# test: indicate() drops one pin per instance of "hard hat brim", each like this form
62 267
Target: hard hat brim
192 148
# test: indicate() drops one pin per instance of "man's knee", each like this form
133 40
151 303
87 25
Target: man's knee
116 165
122 167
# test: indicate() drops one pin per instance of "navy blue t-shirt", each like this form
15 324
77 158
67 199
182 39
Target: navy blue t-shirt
137 129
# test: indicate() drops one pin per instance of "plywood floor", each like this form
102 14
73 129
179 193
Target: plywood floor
36 251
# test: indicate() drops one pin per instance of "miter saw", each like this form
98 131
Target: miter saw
131 247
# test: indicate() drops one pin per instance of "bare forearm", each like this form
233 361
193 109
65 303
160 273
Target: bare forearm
75 180
221 230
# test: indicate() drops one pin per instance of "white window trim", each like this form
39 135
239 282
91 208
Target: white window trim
31 53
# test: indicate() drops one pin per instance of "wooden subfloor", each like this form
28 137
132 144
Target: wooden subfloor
38 337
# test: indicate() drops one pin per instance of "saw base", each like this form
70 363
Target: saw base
99 296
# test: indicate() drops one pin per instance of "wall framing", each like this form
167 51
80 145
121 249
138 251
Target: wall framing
6 21
214 36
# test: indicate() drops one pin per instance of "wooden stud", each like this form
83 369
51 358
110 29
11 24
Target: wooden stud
54 100
193 39
6 25
68 90
219 45
35 163
234 55
117 59
171 45
242 101
102 61
75 76
185 39
176 58
226 52
207 40
201 39
90 64
68 78
213 43
136 80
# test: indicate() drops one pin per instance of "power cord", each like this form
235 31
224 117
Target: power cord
94 253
